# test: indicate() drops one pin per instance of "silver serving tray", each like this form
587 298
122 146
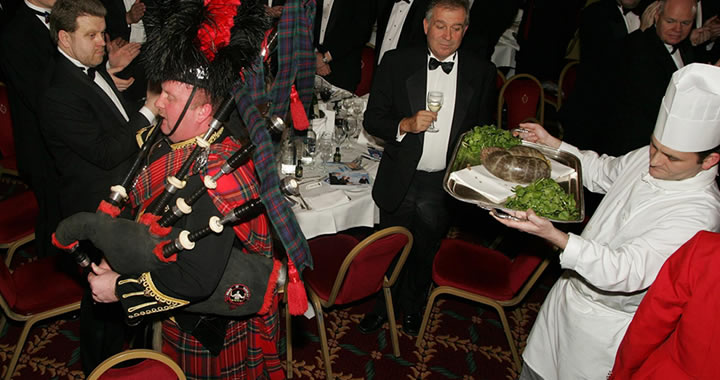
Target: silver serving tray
571 183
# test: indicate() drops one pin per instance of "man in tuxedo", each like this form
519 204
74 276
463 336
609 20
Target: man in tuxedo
408 188
26 49
341 29
399 25
650 59
604 25
91 135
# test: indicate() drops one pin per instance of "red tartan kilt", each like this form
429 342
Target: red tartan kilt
257 335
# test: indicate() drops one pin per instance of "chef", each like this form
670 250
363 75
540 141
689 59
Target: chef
656 198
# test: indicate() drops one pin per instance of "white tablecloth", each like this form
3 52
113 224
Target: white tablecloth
357 210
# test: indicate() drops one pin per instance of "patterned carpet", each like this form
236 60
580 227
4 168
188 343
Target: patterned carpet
464 341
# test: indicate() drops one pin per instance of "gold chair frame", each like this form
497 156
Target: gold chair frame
539 111
318 303
139 353
498 305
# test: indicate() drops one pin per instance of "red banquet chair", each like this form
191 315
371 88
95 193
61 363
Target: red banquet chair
482 275
156 366
523 97
8 161
347 270
566 85
35 291
17 222
367 63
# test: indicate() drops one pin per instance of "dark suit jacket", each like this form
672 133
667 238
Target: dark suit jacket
115 24
25 51
602 33
348 29
412 33
646 72
92 143
488 21
398 91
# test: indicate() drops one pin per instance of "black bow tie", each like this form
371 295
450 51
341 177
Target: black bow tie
674 49
626 10
446 66
44 14
407 1
91 73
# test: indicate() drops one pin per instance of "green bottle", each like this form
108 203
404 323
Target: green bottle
298 169
337 157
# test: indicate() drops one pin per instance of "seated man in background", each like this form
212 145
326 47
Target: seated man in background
657 197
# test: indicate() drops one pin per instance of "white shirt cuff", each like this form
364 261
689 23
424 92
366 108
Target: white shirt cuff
148 114
570 255
399 136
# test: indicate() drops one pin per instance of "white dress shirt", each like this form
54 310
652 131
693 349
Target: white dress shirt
632 21
327 8
394 27
435 145
137 30
677 58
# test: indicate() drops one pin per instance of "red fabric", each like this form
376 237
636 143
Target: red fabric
271 291
367 67
297 111
481 270
18 215
675 330
146 369
366 273
249 352
108 209
214 33
297 297
522 99
7 146
38 286
9 162
62 246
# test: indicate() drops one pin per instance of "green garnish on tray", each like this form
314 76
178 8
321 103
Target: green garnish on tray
546 198
479 138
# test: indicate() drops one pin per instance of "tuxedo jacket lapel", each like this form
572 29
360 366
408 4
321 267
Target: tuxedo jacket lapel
90 85
463 93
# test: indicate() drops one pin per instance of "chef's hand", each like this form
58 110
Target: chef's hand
533 224
537 134
102 281
417 123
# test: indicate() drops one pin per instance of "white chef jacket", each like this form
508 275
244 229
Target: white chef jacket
637 226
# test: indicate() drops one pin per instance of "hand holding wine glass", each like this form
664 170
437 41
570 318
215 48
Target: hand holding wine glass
434 103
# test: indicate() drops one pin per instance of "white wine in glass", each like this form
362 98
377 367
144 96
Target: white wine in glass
434 103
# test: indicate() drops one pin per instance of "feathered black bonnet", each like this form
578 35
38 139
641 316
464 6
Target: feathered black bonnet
204 43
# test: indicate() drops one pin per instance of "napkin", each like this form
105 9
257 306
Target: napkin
495 189
327 200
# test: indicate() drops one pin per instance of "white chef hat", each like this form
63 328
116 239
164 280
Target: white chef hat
689 117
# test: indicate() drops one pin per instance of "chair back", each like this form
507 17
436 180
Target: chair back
155 366
566 83
499 79
367 63
523 96
8 290
7 145
363 269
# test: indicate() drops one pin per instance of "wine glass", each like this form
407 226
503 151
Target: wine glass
434 103
340 132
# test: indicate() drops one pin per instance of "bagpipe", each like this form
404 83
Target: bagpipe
152 242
